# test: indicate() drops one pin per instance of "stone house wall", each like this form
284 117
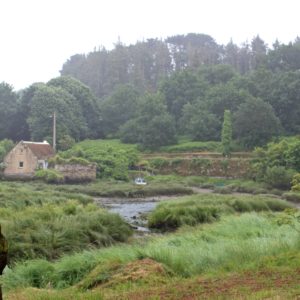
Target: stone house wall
77 173
20 162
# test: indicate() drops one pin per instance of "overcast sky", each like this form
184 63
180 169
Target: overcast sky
38 36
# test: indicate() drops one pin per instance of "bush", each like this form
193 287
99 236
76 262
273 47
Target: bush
292 196
279 177
296 183
49 176
113 158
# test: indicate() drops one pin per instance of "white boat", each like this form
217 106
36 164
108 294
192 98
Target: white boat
140 181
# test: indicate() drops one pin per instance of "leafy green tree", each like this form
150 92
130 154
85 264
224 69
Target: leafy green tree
200 124
255 123
153 126
180 89
84 102
226 133
284 97
66 142
225 97
70 120
217 74
8 111
5 146
22 131
118 108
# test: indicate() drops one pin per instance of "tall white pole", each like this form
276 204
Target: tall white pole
54 131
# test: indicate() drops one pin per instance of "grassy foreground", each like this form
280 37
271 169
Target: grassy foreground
256 246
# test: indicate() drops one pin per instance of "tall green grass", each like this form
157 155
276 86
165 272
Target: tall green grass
188 146
233 244
19 195
51 230
192 210
112 188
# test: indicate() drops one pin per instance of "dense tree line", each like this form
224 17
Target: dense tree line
144 64
152 92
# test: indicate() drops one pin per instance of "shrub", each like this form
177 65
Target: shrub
159 162
49 176
292 196
279 177
296 183
113 158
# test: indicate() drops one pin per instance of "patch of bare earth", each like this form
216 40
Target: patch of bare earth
236 286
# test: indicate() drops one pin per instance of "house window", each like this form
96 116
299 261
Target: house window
21 164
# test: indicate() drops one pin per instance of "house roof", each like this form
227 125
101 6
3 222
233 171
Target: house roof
40 150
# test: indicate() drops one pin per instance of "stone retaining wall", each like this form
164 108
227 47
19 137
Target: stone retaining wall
77 173
234 167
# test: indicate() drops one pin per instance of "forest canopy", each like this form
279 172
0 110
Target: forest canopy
155 90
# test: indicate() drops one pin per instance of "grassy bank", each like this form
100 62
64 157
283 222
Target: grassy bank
51 230
235 244
19 195
111 188
192 210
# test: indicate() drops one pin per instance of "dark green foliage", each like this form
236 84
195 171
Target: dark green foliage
296 183
182 88
5 147
58 160
255 123
49 176
284 153
199 124
84 103
65 143
8 111
279 177
113 158
46 101
226 133
152 127
119 108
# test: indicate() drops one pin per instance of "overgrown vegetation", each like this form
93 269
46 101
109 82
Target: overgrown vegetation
51 230
231 245
113 158
40 221
49 176
277 163
208 208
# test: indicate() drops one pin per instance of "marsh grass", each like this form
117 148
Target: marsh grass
112 188
19 195
235 243
50 230
192 210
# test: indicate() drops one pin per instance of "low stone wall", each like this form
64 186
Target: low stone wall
77 173
233 167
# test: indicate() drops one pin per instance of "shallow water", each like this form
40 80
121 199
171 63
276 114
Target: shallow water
133 210
133 213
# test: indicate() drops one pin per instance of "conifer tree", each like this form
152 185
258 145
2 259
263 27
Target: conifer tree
226 133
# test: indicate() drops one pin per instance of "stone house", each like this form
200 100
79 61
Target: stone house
26 157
